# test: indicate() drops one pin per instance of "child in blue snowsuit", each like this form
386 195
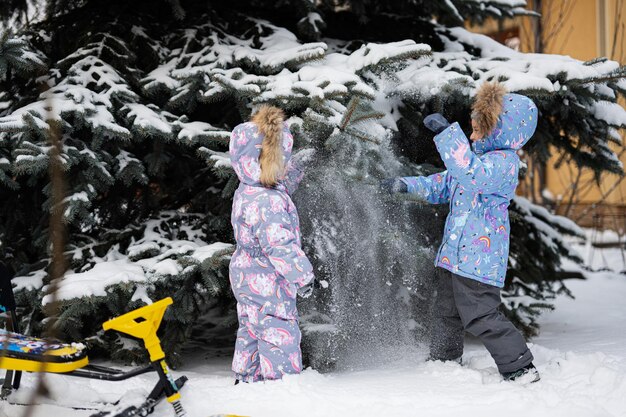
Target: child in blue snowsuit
268 268
479 183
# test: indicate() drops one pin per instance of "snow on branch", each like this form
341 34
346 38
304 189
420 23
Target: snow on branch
372 55
106 47
517 71
84 96
281 48
270 64
219 161
147 120
199 132
171 243
550 227
479 10
18 54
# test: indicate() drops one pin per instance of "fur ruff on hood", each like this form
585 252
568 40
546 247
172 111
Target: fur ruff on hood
508 120
487 106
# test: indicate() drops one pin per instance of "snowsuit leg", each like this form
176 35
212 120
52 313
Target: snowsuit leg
246 364
477 304
268 339
279 346
447 328
466 304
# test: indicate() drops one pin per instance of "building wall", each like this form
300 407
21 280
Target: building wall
587 31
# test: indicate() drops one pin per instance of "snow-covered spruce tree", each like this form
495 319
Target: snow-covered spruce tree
143 211
20 64
138 93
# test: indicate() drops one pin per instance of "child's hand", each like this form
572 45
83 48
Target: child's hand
393 185
306 291
436 122
303 157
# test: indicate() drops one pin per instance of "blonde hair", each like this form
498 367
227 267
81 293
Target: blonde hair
269 120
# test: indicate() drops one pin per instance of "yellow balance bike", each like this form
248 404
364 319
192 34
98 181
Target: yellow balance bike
20 353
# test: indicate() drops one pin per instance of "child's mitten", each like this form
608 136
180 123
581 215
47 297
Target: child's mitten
303 158
393 185
436 122
306 291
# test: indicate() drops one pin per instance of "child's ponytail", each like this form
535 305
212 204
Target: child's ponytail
269 121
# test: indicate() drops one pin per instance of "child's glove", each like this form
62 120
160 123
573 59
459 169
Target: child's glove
302 158
436 122
306 291
393 185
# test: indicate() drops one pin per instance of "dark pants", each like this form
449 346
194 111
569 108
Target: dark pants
465 304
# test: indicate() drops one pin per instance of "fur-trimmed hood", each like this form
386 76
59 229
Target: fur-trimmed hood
515 124
245 149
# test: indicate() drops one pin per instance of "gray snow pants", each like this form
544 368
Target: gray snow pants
465 304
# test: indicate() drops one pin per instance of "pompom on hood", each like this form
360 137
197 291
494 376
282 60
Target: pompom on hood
509 119
245 148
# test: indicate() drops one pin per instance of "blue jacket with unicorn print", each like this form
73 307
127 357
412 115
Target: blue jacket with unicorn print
479 183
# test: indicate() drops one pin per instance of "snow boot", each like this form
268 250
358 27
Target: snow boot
527 374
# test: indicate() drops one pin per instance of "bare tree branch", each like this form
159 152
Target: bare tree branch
616 26
57 240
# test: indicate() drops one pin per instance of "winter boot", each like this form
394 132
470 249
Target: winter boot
240 381
527 374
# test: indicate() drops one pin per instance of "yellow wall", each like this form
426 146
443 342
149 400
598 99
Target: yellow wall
586 32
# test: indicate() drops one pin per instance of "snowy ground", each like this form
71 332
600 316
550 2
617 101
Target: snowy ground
581 355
